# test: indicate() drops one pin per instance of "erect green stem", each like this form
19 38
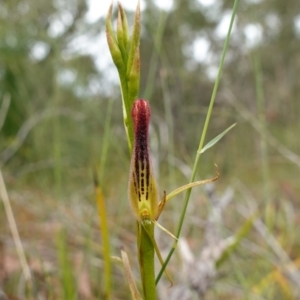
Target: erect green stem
143 195
126 56
146 261
201 144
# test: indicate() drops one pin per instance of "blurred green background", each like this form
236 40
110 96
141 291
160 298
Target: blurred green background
61 115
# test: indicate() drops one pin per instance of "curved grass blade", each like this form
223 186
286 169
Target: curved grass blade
193 184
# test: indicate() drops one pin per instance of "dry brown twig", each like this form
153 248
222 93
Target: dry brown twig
14 230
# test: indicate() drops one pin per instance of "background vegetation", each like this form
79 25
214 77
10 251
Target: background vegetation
61 115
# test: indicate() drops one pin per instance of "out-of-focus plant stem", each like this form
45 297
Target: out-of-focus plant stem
263 143
105 239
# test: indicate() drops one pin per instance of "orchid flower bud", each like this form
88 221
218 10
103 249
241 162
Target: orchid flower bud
142 188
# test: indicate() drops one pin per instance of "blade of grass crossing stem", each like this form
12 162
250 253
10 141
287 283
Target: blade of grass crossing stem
66 270
105 238
197 159
132 286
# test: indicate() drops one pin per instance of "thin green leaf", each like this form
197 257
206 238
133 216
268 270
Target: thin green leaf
216 139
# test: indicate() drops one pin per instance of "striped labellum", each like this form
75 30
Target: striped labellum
143 194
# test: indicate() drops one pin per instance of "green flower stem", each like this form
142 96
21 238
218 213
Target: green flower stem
198 155
126 56
146 261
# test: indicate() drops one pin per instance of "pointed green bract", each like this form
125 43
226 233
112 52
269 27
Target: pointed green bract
135 40
124 26
112 41
125 54
122 34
